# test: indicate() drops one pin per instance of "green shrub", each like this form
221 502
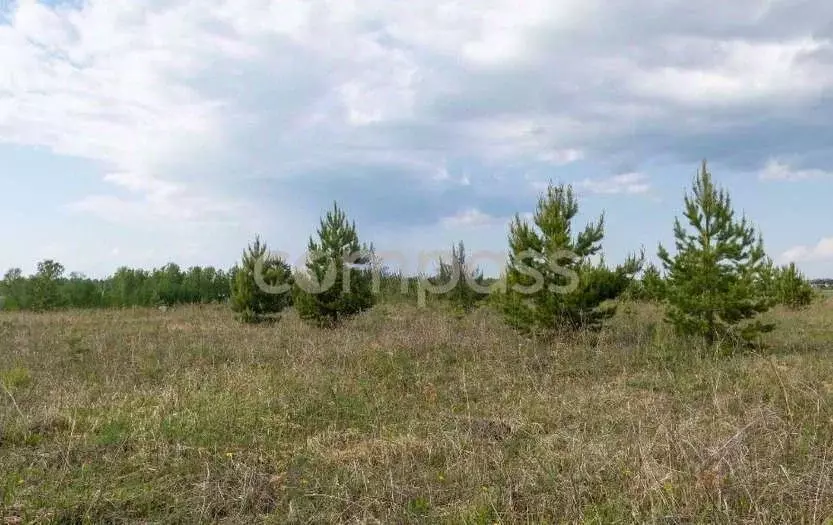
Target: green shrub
261 285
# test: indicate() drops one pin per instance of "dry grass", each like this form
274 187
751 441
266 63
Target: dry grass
406 415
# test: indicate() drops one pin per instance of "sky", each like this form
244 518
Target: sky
138 133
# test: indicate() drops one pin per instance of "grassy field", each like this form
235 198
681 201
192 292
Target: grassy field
405 415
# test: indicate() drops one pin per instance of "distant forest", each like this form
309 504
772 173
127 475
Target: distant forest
50 288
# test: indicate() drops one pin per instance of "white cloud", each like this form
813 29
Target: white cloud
470 218
561 157
503 32
184 103
777 170
823 251
626 183
743 72
100 83
153 186
180 89
443 175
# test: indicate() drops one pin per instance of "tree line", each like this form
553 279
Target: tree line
50 288
714 284
822 283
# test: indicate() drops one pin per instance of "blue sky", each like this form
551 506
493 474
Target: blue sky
136 133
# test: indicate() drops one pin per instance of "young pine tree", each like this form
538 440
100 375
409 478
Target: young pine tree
789 287
713 281
650 286
551 283
261 284
339 280
468 281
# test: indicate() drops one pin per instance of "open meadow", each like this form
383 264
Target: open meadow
408 415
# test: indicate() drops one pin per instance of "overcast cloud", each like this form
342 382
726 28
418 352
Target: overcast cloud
205 122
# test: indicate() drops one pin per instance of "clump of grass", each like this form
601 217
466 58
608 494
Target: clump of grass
406 415
15 378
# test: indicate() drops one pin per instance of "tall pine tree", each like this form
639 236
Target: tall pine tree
339 280
713 281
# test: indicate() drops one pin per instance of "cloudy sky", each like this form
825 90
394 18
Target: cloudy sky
141 132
